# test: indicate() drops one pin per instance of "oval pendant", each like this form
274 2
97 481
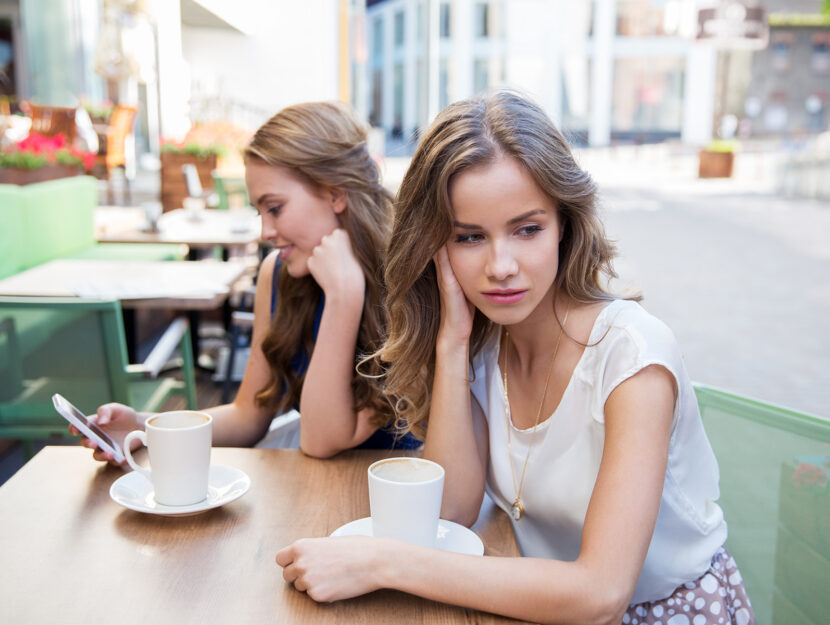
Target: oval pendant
517 510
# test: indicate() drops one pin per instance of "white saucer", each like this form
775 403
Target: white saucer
135 492
451 536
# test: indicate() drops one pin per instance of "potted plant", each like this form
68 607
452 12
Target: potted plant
175 154
37 158
717 159
207 145
99 112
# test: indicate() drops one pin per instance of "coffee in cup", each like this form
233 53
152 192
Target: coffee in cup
178 444
405 499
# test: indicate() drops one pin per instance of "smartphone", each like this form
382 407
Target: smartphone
87 427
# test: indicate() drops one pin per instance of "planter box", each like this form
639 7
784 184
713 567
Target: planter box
14 175
715 164
173 186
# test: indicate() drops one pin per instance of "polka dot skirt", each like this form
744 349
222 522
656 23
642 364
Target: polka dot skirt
718 597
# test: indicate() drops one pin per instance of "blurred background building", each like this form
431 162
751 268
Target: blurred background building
610 72
181 61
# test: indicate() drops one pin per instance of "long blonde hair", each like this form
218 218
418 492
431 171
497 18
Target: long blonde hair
324 147
466 134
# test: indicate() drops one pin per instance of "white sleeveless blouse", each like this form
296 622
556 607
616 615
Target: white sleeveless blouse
567 450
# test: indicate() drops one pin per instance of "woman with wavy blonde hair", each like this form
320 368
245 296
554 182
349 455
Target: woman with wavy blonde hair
571 407
319 303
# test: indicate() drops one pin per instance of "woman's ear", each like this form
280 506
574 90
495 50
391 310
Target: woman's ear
338 200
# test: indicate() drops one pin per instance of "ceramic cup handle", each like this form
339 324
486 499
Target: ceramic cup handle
142 436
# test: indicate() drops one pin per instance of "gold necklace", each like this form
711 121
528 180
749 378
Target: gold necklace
517 510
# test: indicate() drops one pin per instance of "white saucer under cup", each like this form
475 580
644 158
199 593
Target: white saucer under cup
405 499
226 484
451 536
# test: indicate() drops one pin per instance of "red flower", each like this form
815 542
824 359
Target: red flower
48 150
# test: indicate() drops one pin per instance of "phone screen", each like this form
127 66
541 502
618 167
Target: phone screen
82 418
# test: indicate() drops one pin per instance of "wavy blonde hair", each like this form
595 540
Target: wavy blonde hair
324 146
466 134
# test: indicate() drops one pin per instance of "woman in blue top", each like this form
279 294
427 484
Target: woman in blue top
320 299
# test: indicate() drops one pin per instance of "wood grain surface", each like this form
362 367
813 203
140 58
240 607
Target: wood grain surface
72 555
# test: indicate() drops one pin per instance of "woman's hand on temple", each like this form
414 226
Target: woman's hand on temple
117 420
330 569
335 268
456 310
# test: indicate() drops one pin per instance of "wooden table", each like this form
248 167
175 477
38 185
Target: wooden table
72 555
186 286
237 227
138 284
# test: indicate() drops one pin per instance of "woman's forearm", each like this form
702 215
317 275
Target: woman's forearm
532 589
451 439
329 423
234 426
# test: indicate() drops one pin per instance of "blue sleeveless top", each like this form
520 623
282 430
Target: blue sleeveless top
382 438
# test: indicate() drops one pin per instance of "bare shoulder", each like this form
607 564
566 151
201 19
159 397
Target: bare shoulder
582 317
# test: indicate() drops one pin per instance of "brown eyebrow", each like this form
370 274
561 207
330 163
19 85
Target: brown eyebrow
265 198
515 220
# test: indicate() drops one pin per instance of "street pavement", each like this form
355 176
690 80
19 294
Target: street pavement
740 273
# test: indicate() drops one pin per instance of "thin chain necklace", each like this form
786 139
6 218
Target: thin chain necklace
517 510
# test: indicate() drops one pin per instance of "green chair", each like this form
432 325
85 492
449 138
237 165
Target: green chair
774 494
78 348
225 187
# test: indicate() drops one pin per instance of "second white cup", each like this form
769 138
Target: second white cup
405 499
178 444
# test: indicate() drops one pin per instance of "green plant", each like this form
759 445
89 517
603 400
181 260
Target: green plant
98 110
192 149
37 151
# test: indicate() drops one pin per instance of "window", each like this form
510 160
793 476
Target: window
399 29
781 51
820 57
376 111
816 108
650 18
377 40
397 95
576 93
775 112
481 75
481 27
443 83
445 19
648 95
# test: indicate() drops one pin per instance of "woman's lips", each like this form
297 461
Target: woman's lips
285 251
507 296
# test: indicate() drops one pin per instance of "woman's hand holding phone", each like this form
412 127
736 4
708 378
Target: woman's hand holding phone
117 420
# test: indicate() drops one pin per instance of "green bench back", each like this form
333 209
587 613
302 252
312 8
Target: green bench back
46 220
773 481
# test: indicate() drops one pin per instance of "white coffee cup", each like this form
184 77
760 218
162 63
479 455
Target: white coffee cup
178 444
405 499
194 208
152 212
